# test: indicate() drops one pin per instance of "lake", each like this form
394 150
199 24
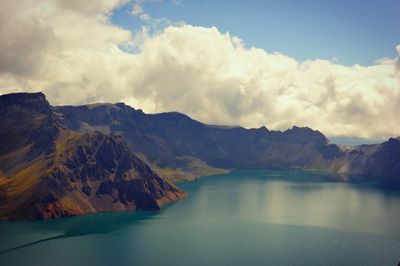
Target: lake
246 217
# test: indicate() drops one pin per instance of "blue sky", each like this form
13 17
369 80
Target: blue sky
353 31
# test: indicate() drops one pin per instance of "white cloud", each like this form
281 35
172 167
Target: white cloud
70 50
137 9
177 2
153 25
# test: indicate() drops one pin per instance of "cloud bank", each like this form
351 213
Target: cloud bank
72 52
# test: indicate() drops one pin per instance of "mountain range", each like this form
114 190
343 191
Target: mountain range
60 161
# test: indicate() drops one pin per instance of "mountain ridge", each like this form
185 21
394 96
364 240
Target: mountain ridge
232 147
60 161
49 171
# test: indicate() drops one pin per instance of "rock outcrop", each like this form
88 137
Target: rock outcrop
48 171
172 141
70 160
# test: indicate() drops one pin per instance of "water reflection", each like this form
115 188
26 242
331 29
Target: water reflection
255 217
85 225
287 199
298 198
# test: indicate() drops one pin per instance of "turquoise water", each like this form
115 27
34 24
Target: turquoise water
247 217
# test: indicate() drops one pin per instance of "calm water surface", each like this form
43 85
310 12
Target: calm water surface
247 217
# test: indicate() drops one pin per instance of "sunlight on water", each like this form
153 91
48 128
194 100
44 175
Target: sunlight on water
247 217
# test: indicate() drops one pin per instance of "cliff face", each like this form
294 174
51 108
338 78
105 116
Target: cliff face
70 160
47 171
173 141
385 163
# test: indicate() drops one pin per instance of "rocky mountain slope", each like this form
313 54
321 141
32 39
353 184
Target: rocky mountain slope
186 147
69 160
176 142
48 171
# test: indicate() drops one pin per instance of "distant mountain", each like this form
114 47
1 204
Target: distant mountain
67 160
352 141
176 142
48 171
178 147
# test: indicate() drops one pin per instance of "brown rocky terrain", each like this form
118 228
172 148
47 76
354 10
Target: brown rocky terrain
179 147
48 171
70 160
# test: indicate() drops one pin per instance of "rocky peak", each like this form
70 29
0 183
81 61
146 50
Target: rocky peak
33 101
394 141
305 134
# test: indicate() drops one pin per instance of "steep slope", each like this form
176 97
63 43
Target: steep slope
47 171
67 160
174 141
385 163
28 130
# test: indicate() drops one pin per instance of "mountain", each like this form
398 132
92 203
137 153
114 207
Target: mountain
178 147
385 164
48 171
353 141
70 160
176 142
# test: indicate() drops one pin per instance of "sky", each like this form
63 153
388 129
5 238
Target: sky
330 65
349 32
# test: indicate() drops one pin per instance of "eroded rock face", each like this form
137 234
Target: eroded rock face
168 139
28 102
49 172
104 166
72 153
27 121
385 162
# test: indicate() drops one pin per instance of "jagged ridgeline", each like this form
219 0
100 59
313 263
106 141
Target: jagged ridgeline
69 160
49 171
